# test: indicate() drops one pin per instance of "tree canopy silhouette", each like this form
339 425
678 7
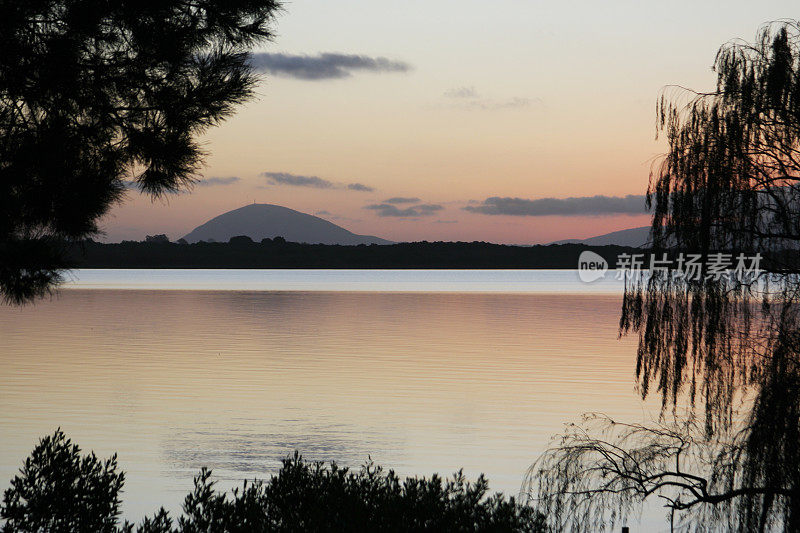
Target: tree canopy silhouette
727 347
61 491
97 96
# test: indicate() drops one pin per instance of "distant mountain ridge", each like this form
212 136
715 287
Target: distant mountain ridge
633 237
266 221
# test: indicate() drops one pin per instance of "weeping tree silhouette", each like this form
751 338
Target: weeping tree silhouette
96 96
726 349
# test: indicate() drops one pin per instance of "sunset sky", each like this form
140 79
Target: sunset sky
448 120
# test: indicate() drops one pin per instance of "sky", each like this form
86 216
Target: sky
515 121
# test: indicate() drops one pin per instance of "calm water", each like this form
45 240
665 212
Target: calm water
507 281
478 375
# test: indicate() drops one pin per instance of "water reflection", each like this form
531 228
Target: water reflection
236 380
248 455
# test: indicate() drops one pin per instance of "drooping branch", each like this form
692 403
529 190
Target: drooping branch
730 182
601 471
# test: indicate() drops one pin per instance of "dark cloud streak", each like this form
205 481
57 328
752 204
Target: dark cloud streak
325 66
210 182
314 182
390 210
284 178
575 206
402 200
360 187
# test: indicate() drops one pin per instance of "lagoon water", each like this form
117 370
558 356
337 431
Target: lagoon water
457 281
423 371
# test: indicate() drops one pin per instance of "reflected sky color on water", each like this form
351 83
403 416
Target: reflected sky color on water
236 380
502 281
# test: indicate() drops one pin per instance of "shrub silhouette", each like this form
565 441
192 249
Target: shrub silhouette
59 490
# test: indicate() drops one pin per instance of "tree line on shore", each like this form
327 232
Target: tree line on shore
242 252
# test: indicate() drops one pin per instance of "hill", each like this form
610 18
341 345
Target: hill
266 221
634 237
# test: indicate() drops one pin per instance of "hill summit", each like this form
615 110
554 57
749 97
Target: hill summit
633 237
261 221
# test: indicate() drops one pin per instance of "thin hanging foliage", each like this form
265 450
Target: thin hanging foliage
728 348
